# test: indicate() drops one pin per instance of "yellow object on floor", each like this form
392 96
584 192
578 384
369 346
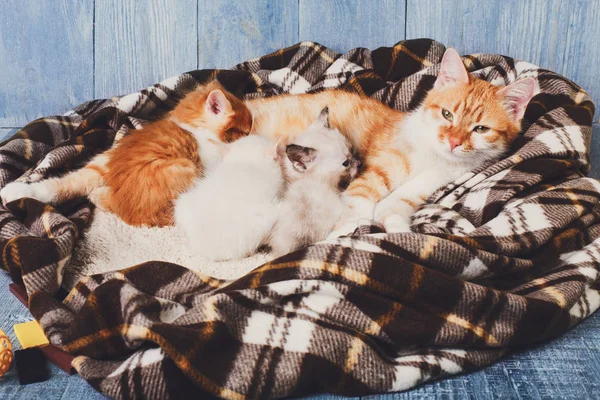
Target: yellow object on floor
30 334
6 354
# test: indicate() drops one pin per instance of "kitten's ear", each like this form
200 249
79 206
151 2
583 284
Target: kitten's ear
302 158
277 149
516 96
452 71
323 118
217 103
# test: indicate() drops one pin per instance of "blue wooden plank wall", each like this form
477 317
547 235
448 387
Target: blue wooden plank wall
55 54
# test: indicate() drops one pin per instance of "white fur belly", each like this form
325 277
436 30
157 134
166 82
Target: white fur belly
228 214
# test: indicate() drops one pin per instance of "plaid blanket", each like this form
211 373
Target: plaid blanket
504 257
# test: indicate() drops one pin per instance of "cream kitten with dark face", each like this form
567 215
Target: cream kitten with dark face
318 166
284 196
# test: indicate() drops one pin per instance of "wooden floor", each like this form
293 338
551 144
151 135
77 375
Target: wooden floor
55 54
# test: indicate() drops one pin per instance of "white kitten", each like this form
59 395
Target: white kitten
227 214
261 193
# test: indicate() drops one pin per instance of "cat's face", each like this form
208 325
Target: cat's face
468 119
212 107
320 153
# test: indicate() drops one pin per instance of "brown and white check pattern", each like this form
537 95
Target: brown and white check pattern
504 257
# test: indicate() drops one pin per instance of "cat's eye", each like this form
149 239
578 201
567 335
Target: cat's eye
346 163
481 129
447 114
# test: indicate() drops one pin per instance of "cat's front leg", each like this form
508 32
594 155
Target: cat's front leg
395 211
384 172
357 209
360 199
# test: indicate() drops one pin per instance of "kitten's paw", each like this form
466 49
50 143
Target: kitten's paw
14 191
342 230
18 190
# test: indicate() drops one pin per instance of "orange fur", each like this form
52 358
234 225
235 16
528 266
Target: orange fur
373 128
147 170
363 120
366 122
81 182
476 103
139 178
234 123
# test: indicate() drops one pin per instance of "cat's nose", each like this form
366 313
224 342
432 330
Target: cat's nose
454 143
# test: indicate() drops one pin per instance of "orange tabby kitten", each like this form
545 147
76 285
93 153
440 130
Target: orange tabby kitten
139 177
463 123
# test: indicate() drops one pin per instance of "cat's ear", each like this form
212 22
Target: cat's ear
217 103
516 96
302 158
452 71
323 118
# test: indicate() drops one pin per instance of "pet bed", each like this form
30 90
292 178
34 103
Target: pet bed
504 257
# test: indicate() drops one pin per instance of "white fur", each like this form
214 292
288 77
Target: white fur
244 202
208 143
38 190
332 150
356 209
228 214
312 204
433 164
110 244
308 213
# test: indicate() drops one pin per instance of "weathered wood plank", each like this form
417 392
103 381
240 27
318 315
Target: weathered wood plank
5 133
345 24
595 152
231 32
46 58
560 35
140 42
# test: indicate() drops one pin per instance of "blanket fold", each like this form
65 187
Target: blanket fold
504 257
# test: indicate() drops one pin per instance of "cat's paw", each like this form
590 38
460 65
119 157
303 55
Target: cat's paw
386 214
395 224
344 229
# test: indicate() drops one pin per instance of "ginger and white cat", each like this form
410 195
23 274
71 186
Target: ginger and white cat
140 176
463 123
269 193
